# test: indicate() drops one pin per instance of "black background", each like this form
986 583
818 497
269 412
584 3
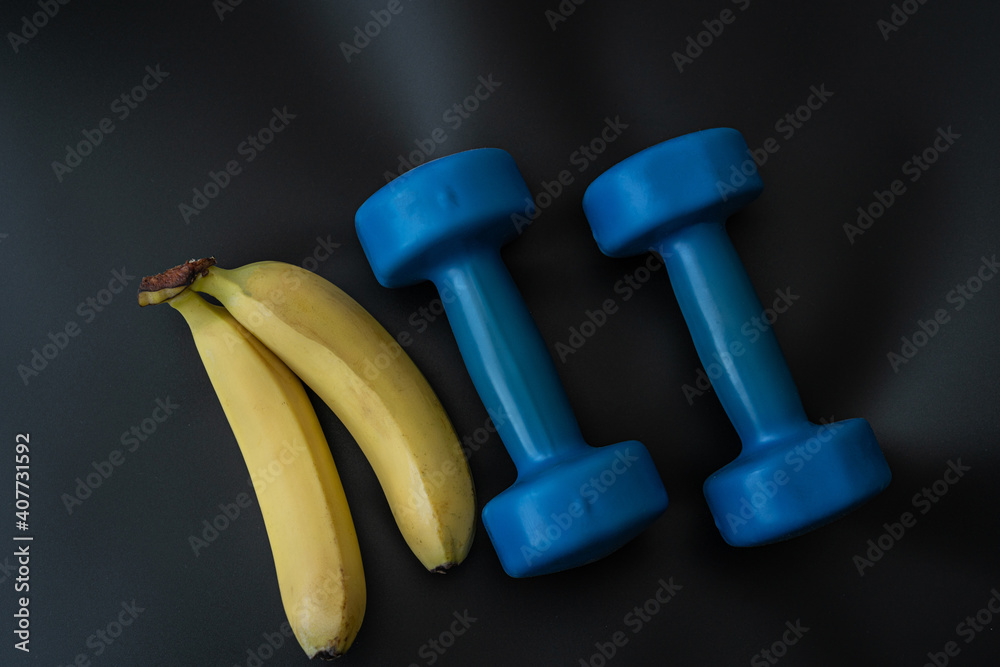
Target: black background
120 208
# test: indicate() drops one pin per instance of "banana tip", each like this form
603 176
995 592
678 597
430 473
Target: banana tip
328 655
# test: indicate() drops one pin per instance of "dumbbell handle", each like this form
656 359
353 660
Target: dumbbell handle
507 359
717 300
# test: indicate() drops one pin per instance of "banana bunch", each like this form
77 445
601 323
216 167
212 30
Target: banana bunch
280 321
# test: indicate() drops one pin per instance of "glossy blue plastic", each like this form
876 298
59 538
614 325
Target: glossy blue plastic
571 503
792 475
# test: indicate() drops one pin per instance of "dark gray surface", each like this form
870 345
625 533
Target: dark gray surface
120 208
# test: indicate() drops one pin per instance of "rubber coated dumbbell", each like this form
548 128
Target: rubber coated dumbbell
792 475
571 504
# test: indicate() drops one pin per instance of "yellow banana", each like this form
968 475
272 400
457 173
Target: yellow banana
309 525
366 378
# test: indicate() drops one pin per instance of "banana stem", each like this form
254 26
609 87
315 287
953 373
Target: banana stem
170 283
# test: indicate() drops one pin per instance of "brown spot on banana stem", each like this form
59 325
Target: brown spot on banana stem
170 283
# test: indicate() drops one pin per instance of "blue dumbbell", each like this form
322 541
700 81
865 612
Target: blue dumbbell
571 504
792 475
